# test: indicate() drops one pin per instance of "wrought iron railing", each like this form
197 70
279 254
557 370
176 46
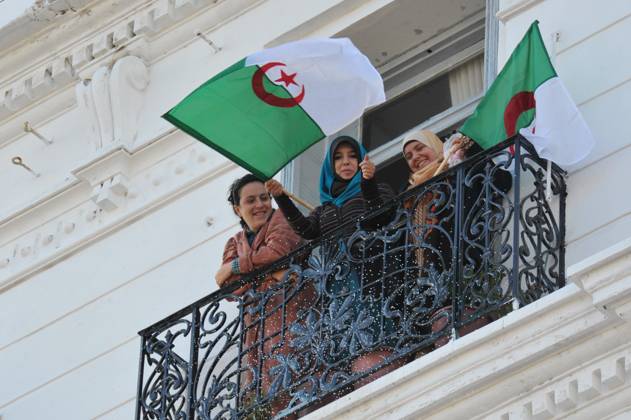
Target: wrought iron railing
443 259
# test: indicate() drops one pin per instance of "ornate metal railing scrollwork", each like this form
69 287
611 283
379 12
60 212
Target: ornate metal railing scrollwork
442 260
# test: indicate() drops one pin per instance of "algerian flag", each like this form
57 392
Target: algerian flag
269 107
529 96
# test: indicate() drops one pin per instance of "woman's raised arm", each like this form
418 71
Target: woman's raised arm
307 227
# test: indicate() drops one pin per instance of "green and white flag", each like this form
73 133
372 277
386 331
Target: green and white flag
269 107
529 97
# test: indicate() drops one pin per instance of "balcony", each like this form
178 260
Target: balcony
442 260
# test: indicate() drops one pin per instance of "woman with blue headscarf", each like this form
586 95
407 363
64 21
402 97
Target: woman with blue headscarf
348 190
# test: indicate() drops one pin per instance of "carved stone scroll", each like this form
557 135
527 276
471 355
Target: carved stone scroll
112 101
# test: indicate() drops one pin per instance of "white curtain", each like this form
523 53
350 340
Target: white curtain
466 80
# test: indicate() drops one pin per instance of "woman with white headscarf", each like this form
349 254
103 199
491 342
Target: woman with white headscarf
424 153
433 211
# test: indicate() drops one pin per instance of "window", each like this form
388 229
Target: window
419 104
405 112
430 54
441 104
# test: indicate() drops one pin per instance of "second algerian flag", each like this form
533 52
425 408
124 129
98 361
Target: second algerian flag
269 107
528 96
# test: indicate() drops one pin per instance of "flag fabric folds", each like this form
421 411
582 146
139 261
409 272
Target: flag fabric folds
528 97
271 106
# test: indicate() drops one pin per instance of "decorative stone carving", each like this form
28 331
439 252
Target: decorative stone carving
102 107
59 67
579 389
4 262
110 194
112 101
108 176
128 81
69 228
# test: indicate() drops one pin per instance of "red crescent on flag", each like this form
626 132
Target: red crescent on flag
519 103
268 98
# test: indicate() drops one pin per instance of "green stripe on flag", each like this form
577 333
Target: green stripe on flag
527 68
225 114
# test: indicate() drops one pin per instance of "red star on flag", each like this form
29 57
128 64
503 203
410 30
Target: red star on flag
287 79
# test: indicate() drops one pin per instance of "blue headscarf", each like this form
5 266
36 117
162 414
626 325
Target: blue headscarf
328 176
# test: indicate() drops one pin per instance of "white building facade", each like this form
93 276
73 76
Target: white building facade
112 219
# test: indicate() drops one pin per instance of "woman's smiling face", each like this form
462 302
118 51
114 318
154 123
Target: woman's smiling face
418 155
255 205
345 161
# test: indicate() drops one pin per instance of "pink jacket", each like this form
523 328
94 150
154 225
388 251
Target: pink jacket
273 241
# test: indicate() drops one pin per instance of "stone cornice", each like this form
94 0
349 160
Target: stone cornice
566 352
60 56
606 276
38 19
579 391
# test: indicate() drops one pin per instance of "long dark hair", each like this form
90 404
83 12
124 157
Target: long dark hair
234 192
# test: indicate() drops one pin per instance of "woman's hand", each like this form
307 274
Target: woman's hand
458 144
367 168
274 187
223 274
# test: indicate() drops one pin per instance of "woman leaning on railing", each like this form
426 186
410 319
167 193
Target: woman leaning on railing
348 190
387 279
427 157
266 237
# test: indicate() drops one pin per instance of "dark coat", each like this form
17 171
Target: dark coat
327 218
437 229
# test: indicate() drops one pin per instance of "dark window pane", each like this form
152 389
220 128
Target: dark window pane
410 109
395 173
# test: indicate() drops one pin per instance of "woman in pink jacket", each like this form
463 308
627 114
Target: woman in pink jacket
266 237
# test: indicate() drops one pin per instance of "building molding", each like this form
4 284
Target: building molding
591 382
133 33
516 8
112 101
107 194
40 18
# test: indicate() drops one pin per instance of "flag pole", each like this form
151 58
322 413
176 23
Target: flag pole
549 181
556 36
299 200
